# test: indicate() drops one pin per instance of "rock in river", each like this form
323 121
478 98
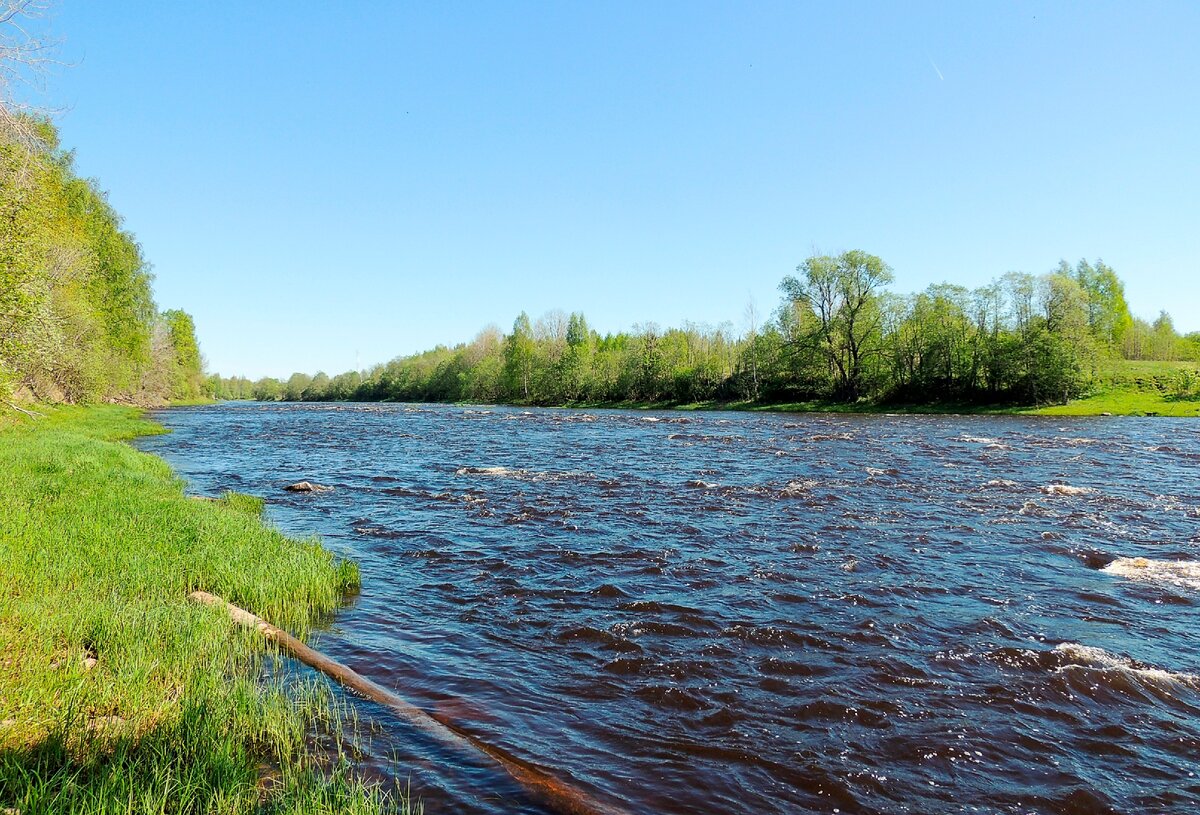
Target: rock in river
307 486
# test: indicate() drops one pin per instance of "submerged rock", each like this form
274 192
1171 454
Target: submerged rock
307 486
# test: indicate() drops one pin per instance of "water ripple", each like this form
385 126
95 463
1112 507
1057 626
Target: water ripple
766 613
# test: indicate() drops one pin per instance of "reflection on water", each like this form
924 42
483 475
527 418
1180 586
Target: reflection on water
756 613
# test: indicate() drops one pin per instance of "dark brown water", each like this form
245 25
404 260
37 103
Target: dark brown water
701 613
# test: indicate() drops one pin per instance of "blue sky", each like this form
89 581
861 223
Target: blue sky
326 185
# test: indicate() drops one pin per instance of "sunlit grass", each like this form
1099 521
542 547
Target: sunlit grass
1124 402
1138 388
116 693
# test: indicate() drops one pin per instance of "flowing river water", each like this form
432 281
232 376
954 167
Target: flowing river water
768 613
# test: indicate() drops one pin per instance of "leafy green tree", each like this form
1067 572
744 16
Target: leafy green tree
842 292
1108 314
77 320
838 332
268 389
934 346
318 389
804 368
576 360
1166 339
296 385
344 386
1190 346
483 367
187 367
519 350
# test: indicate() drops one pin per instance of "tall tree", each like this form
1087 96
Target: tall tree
1107 312
519 350
843 293
187 367
297 383
752 353
576 360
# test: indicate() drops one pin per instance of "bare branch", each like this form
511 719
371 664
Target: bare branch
33 414
24 58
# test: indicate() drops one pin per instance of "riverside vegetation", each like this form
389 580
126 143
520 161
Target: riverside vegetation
116 693
78 321
840 339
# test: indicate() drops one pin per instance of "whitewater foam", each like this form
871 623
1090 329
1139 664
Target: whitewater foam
1089 657
798 488
1183 573
1066 489
519 474
500 472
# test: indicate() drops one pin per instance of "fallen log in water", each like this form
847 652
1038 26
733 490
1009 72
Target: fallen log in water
560 796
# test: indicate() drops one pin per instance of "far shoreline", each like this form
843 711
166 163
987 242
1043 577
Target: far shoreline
1109 404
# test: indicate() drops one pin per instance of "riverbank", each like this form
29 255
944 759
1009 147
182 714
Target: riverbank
1138 388
1120 388
116 693
1108 402
1121 401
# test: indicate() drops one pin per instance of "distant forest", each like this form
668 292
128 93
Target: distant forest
839 334
78 321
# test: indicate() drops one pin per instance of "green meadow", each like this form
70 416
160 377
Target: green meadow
117 695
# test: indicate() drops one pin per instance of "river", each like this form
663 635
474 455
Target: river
768 613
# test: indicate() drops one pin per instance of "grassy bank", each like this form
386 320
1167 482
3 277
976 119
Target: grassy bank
117 695
1138 388
1123 402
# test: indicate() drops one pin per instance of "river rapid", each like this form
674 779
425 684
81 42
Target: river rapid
768 613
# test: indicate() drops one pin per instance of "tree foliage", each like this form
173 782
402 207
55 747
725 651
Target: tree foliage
839 333
842 293
77 314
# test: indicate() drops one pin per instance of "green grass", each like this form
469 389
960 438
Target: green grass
1123 402
1144 373
1137 388
251 505
117 695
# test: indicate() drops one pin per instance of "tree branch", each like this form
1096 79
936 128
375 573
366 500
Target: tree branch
33 414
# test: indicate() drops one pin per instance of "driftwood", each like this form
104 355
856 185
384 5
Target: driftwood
33 414
560 796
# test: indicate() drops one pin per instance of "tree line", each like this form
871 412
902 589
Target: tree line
78 320
839 333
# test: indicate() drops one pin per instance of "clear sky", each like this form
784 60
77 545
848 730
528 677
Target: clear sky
331 184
